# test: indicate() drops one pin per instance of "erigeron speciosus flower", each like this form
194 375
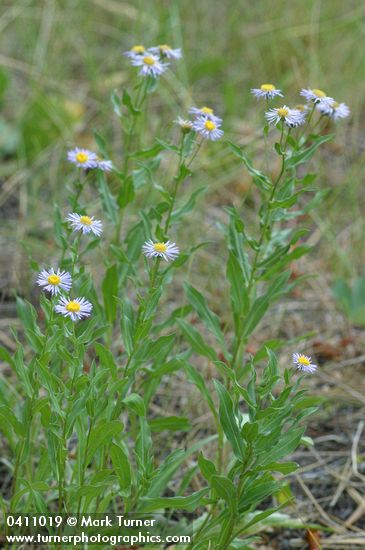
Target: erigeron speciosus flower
167 251
86 224
316 95
54 281
334 110
304 363
76 309
104 165
266 91
150 64
164 50
83 158
185 125
208 128
290 117
136 50
205 112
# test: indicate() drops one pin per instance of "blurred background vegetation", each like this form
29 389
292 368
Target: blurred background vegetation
61 59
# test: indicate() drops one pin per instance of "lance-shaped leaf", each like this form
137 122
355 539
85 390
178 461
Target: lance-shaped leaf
229 421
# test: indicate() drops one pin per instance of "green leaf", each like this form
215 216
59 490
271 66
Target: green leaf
143 444
135 403
127 101
229 421
122 467
101 143
188 206
170 465
189 503
197 379
258 177
288 442
207 467
210 319
261 304
110 292
116 102
108 201
100 435
127 326
226 490
285 468
306 154
106 358
127 192
196 341
172 423
239 296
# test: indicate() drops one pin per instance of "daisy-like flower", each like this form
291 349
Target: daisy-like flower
86 224
150 64
334 110
164 50
206 112
185 125
83 158
54 281
207 128
267 91
104 165
75 309
304 363
316 95
136 50
167 251
291 117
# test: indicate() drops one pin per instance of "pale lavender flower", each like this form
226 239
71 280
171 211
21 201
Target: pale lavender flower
164 50
86 224
208 128
334 110
167 251
316 95
53 281
205 112
104 165
291 117
150 65
75 309
266 91
304 363
83 158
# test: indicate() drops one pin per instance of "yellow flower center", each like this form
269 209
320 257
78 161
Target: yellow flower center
81 157
207 110
73 306
149 60
209 125
165 47
303 360
282 112
138 49
319 93
54 280
335 105
267 87
85 220
160 247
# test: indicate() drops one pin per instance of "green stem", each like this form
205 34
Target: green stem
142 93
84 466
262 238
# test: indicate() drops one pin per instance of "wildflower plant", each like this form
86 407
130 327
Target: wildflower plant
82 433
